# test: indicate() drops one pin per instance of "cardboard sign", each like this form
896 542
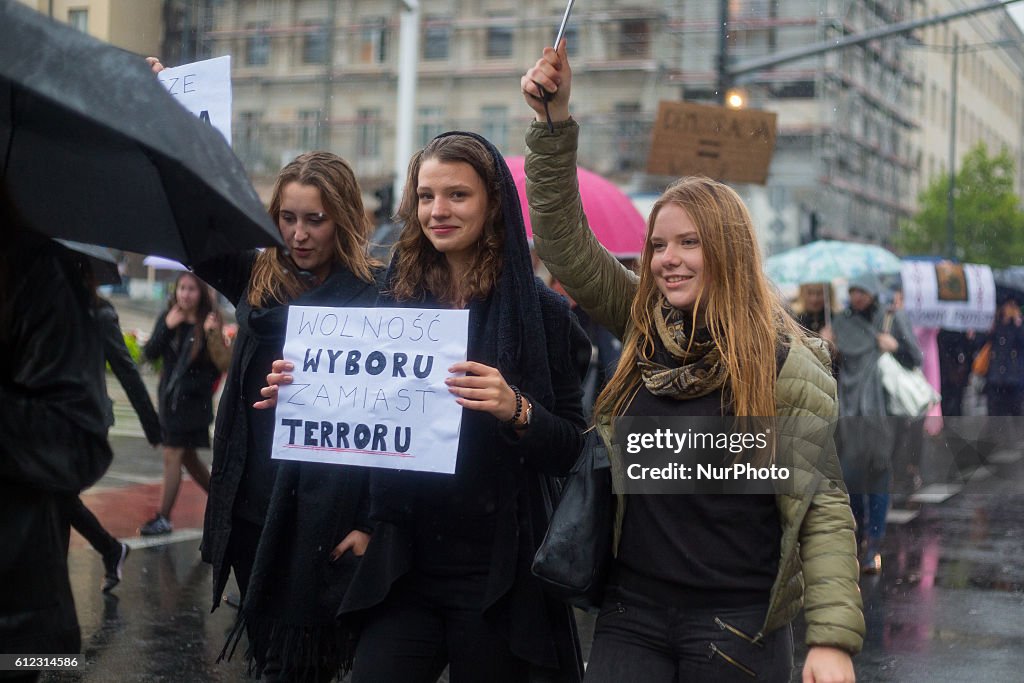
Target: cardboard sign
369 387
204 88
950 296
725 144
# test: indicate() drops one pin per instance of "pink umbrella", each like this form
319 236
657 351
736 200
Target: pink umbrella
611 214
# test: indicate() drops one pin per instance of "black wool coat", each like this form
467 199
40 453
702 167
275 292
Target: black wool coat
185 391
53 437
230 276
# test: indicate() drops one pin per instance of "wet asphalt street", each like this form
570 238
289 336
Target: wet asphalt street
947 607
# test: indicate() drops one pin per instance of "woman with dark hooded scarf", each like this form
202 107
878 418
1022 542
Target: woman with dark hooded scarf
446 579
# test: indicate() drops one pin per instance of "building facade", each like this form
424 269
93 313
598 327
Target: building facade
134 25
989 96
859 130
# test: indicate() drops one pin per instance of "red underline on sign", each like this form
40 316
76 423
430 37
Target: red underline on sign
349 450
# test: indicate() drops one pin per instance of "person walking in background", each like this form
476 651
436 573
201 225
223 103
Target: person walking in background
810 308
181 339
54 434
1005 376
702 587
867 436
956 354
113 551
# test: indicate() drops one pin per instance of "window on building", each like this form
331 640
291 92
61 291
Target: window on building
373 46
309 129
499 39
368 133
257 45
314 43
494 126
247 138
78 19
794 90
436 37
629 136
572 40
431 123
634 39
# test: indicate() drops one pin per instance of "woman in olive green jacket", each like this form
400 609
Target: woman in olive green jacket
703 586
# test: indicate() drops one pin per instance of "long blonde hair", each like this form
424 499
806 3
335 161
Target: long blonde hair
421 268
744 316
274 275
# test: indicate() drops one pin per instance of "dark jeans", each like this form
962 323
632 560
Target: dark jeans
875 487
85 523
412 636
1003 400
638 641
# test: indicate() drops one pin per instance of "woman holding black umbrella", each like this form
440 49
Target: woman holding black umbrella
281 541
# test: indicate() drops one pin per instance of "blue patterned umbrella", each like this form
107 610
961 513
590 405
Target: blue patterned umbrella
826 260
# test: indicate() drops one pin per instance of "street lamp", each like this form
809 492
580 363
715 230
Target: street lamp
735 98
405 116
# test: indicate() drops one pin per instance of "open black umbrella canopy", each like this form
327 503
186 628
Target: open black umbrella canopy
100 259
94 149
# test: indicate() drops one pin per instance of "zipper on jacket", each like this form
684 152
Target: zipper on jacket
756 640
716 651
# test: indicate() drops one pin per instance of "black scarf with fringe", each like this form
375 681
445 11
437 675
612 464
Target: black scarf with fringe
295 589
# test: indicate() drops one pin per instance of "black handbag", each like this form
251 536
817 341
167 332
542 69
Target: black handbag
572 560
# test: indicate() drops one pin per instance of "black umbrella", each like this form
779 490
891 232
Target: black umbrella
94 149
100 259
1009 284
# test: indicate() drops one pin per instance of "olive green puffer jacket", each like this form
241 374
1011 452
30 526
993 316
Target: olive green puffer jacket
818 564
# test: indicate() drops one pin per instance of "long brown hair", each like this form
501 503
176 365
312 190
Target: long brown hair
205 307
420 267
275 276
744 317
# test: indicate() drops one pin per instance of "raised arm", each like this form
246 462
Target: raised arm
602 286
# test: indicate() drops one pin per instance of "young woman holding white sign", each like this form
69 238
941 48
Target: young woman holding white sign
290 534
311 527
702 587
446 578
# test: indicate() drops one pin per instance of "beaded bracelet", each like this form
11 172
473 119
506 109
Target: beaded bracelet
519 405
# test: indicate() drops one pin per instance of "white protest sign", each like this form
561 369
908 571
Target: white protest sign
204 88
369 387
950 296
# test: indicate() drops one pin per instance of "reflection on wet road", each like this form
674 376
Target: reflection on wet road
947 606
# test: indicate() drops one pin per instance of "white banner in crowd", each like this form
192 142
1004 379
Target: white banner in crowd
950 296
204 88
369 387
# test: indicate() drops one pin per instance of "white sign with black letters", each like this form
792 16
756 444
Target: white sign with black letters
369 387
204 88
